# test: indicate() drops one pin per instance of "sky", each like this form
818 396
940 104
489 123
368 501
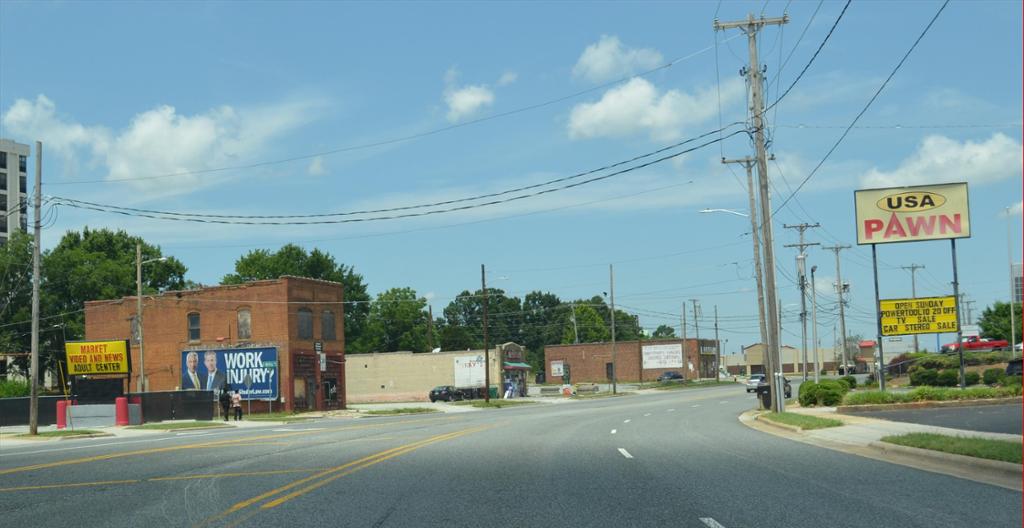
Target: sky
299 108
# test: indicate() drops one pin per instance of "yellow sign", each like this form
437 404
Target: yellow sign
97 357
910 214
923 315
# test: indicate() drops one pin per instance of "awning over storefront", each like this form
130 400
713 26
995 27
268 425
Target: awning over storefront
510 365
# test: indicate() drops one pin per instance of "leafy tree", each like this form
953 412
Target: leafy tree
261 264
995 321
398 321
544 317
454 337
626 325
664 332
503 321
16 295
589 325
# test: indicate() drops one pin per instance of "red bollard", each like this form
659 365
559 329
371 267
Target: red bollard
121 411
62 414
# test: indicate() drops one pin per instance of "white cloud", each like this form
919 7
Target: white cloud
941 159
1015 209
316 167
638 107
161 141
508 78
466 101
608 59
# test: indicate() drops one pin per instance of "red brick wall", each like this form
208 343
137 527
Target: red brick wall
587 361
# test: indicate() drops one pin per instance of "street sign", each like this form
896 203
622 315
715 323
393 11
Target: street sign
923 315
318 347
323 362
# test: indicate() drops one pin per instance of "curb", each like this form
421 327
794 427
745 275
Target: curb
1007 468
76 437
183 429
792 428
926 405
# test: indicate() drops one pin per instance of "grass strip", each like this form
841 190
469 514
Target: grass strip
677 386
277 417
875 397
171 426
497 404
802 421
1003 450
60 433
399 410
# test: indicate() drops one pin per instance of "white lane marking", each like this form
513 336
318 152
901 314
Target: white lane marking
614 431
698 405
625 453
671 410
711 523
647 414
192 434
626 421
283 430
724 401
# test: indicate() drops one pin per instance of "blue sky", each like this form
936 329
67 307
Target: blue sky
125 91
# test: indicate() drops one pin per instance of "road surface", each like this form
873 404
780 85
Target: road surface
990 418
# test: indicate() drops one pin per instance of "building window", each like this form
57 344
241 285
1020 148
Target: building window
305 323
3 223
193 326
327 332
3 160
23 183
3 180
22 164
244 324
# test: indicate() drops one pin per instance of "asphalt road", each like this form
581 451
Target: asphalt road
990 418
680 458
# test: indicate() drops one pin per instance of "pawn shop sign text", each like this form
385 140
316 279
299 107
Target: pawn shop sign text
911 214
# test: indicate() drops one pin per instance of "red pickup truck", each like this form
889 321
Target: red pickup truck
978 344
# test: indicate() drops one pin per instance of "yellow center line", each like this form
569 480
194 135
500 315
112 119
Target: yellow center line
239 474
78 485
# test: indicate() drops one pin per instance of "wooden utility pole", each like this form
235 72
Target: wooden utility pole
682 321
696 331
913 292
33 369
487 352
801 260
841 289
611 289
718 349
430 327
748 164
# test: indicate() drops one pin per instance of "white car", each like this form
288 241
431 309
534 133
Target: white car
753 381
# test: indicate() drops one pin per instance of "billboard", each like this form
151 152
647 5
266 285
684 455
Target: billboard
923 315
912 214
469 371
231 368
663 356
97 357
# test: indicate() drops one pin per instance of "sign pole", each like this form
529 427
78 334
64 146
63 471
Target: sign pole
878 308
959 329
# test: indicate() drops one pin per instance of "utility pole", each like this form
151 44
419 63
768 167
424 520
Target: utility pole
696 330
33 404
575 329
814 325
682 321
138 315
640 347
487 352
970 311
801 258
748 164
718 350
840 287
430 327
751 26
611 289
1013 292
913 291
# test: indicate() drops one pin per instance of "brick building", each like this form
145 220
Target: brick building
292 314
591 362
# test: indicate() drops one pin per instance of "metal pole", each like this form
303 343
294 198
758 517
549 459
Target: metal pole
696 330
814 325
611 282
682 321
138 316
487 352
1013 292
718 350
913 292
842 308
878 320
959 329
640 345
800 262
33 411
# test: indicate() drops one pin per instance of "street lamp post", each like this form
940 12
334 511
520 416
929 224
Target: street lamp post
138 311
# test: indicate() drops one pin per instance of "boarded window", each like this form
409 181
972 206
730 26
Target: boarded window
244 324
193 326
305 316
327 332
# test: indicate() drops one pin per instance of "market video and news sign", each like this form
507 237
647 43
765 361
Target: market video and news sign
663 356
251 371
912 214
97 357
922 315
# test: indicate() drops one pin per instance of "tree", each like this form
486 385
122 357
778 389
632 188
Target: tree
995 321
589 325
398 321
664 332
16 296
626 325
503 318
454 337
261 264
544 317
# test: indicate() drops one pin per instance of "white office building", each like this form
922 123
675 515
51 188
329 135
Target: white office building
13 188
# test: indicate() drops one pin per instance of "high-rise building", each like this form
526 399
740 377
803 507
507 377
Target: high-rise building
13 188
1017 286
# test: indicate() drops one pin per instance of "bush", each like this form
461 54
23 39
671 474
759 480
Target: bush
846 384
1011 381
930 394
13 389
828 393
850 380
923 376
939 362
993 375
947 378
971 378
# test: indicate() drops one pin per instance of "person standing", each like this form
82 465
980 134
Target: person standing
225 403
236 403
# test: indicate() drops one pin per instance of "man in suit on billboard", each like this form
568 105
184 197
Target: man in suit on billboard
215 379
192 379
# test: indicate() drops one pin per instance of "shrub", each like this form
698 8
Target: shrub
947 378
971 378
993 375
923 376
850 380
938 362
1011 381
13 389
844 383
807 394
930 394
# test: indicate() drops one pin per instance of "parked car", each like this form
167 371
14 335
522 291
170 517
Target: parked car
1013 368
753 381
445 393
764 385
670 375
977 344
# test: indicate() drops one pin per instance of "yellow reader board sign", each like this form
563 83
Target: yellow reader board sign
911 214
97 357
923 315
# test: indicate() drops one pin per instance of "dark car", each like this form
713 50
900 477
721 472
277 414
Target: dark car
445 393
670 376
1013 368
763 386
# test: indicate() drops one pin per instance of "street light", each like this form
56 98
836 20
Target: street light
730 211
138 310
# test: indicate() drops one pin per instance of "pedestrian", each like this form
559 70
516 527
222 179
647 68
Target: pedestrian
236 402
225 403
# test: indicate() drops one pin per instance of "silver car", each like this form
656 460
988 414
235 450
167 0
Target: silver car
753 381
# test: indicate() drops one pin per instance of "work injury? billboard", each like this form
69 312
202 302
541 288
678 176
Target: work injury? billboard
253 372
912 214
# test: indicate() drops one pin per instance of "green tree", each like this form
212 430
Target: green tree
664 332
261 264
544 317
626 325
503 320
398 321
16 295
995 321
589 325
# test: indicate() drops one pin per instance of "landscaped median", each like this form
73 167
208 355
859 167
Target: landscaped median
1001 450
799 422
863 400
